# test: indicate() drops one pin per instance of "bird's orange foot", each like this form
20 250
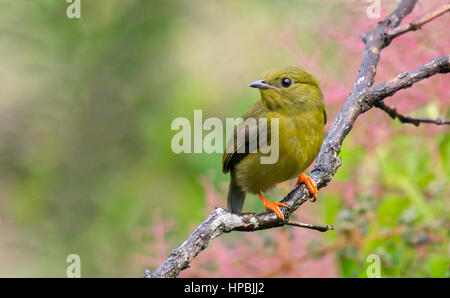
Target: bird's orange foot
309 183
274 206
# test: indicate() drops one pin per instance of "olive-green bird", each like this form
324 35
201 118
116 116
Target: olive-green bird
293 96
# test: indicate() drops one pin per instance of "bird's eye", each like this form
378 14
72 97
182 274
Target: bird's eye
286 82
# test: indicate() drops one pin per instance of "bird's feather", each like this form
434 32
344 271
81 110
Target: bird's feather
238 146
236 196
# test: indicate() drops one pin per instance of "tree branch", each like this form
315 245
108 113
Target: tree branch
392 111
320 228
404 80
417 24
361 99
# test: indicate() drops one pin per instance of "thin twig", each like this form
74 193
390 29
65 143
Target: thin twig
417 24
392 111
320 228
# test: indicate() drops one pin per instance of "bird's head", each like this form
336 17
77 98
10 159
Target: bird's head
288 88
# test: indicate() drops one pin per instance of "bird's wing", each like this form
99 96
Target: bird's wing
238 146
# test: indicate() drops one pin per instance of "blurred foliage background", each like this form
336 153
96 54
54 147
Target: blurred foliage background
86 167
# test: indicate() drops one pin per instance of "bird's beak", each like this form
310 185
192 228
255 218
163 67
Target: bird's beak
260 84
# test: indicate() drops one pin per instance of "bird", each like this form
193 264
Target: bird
292 96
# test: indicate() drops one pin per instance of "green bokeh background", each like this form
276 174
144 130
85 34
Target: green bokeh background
86 108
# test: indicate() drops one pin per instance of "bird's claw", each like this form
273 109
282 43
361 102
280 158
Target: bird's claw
274 206
310 184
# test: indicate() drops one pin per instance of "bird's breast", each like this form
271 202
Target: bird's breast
299 141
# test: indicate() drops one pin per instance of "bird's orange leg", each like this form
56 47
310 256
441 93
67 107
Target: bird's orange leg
309 183
272 206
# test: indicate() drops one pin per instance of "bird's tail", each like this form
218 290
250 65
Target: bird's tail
235 196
